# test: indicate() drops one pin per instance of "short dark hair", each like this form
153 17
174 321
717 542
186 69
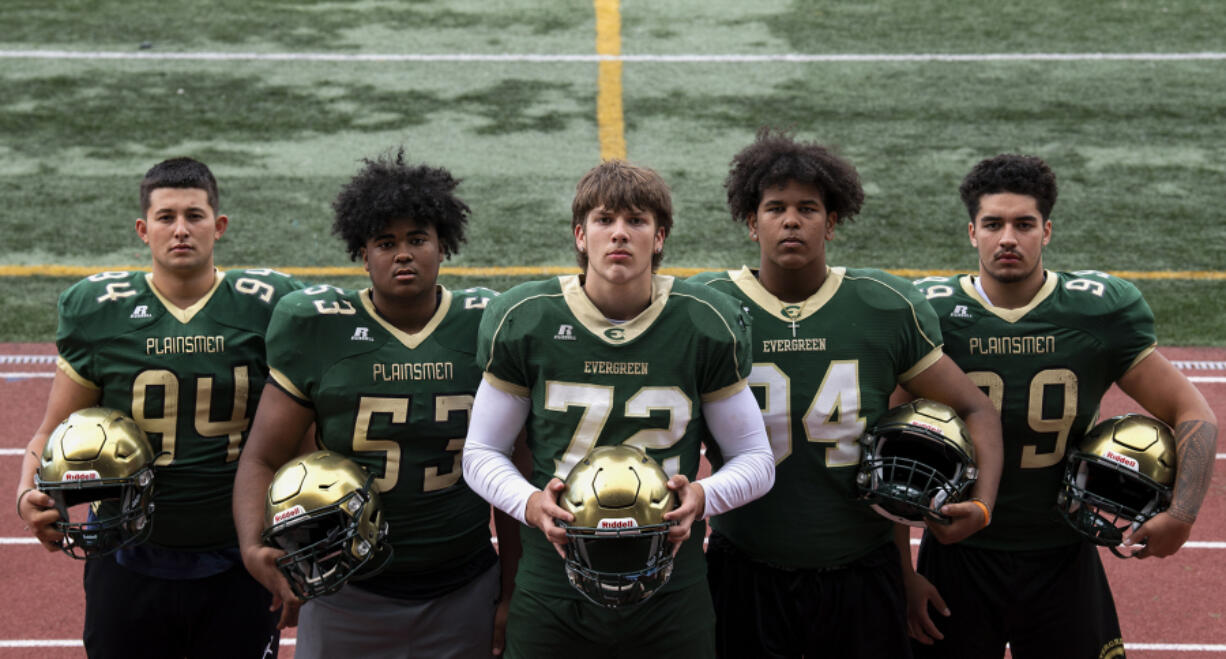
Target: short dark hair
619 186
178 173
387 189
776 157
1009 172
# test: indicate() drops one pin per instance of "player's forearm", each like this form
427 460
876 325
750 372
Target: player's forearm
250 488
984 427
496 420
749 470
902 540
1195 446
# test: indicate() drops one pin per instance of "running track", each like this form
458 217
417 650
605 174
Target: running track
1168 608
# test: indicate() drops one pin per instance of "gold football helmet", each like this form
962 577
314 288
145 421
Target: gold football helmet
1120 474
918 458
101 457
323 510
618 551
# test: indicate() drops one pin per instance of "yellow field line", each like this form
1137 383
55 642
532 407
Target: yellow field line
546 271
610 121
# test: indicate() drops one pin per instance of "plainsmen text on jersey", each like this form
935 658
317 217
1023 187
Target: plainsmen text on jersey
398 405
593 382
190 378
823 371
1046 367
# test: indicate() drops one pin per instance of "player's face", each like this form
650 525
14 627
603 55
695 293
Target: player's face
619 244
792 227
180 228
403 260
1010 233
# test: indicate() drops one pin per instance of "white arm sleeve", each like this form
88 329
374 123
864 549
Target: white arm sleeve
495 422
749 467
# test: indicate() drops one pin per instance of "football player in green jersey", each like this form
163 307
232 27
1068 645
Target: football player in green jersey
181 351
1045 346
387 375
615 355
807 570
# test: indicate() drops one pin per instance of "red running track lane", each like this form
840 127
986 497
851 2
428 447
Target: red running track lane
1172 601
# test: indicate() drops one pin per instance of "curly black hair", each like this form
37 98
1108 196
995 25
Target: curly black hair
774 158
1010 172
387 189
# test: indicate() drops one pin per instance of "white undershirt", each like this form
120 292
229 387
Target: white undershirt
979 289
735 422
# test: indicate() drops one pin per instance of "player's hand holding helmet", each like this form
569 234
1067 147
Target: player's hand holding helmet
617 550
324 512
100 457
1118 476
918 458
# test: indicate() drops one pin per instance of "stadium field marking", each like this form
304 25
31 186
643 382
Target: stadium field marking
77 643
73 643
1191 544
49 270
610 119
547 58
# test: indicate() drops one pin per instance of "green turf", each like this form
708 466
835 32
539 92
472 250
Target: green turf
1136 145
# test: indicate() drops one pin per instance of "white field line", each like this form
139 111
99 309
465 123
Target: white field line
546 58
76 643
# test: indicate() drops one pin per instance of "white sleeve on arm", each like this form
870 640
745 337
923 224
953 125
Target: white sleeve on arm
749 465
495 422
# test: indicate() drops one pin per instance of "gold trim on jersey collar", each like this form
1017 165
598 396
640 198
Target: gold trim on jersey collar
1012 315
595 322
410 341
185 314
787 311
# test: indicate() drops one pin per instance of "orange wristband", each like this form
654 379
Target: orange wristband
987 514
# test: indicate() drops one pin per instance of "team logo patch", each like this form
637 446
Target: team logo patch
361 334
960 311
791 312
565 333
141 311
86 475
615 333
288 514
1123 460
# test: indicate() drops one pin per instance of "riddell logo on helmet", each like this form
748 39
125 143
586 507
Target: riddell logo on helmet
1124 460
288 514
925 426
90 475
617 523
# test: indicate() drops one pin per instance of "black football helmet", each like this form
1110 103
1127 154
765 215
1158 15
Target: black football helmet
918 458
323 510
617 551
1120 474
101 457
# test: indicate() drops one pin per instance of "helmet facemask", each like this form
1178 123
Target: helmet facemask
99 457
1103 501
632 563
1119 476
328 519
916 460
618 552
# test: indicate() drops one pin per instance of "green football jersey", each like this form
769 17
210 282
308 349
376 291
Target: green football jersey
823 372
593 382
1046 367
191 378
396 403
